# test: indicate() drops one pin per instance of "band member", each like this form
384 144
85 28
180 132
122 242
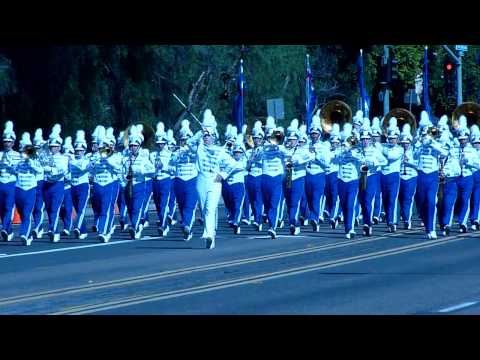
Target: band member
315 177
281 209
37 227
185 180
304 213
162 181
349 161
213 165
408 177
67 207
254 177
172 202
427 182
135 166
116 158
80 172
148 185
295 173
372 158
122 182
230 137
475 198
332 201
93 156
376 132
390 175
235 185
467 156
448 181
27 170
103 169
8 178
55 166
272 155
247 209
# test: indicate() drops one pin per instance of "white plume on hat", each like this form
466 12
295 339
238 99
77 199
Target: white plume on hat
185 131
244 129
366 124
54 137
38 137
110 137
270 124
95 134
474 133
8 133
293 128
25 140
170 138
462 122
315 125
160 133
347 131
233 133
358 118
80 139
239 143
406 132
393 129
302 130
120 136
227 131
209 124
67 146
424 119
257 130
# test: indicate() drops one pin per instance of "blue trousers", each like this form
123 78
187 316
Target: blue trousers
390 185
39 207
67 209
314 189
7 205
102 197
236 197
450 191
254 190
25 202
80 196
332 202
161 195
53 195
122 204
348 192
271 196
462 206
367 197
427 187
377 208
172 202
115 191
293 197
187 197
226 199
147 198
135 204
406 196
247 210
475 198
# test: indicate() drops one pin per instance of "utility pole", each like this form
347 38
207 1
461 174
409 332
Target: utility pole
458 59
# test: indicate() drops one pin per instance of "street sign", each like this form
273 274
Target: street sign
275 108
461 47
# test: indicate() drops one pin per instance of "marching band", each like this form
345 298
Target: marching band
309 175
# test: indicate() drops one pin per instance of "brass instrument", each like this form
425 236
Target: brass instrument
250 144
334 112
351 142
403 117
29 152
433 132
470 110
105 152
277 137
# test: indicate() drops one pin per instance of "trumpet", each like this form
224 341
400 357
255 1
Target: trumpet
277 137
29 152
433 131
105 152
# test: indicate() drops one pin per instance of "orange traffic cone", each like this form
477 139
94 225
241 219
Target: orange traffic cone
16 217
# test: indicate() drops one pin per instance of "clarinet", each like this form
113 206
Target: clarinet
404 162
132 159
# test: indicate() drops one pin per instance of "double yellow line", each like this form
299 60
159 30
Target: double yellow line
135 300
188 270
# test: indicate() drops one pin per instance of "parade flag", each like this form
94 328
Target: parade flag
310 98
361 85
238 107
426 99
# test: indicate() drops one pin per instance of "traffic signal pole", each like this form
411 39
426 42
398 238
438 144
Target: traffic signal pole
386 95
458 60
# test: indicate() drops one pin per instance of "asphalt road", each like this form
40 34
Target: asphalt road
313 273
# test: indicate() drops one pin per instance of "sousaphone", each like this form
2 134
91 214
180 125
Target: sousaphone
403 117
334 112
470 110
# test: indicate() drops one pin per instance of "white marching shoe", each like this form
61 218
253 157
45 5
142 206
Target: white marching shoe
350 235
55 238
432 235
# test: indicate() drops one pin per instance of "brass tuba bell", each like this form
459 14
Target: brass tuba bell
334 112
470 110
403 117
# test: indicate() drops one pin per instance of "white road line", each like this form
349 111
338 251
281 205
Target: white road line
458 307
119 242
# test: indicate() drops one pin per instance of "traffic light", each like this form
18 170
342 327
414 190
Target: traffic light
449 69
394 69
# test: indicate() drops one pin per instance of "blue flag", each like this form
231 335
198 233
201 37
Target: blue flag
238 106
310 97
426 99
361 86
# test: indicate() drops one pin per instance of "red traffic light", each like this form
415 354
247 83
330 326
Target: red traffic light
449 66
